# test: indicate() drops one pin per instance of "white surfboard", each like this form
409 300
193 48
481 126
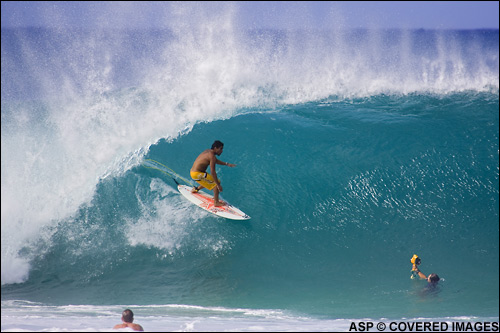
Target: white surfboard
206 201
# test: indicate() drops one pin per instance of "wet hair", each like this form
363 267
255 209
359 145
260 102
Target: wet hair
217 144
433 277
128 316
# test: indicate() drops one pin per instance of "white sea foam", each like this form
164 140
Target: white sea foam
35 317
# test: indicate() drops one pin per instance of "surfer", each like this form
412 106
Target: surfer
128 318
209 180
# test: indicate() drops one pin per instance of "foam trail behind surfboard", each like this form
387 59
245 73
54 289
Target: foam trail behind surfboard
148 163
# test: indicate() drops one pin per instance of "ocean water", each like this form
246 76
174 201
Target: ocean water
354 149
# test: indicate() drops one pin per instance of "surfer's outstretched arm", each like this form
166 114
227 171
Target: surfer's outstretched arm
225 163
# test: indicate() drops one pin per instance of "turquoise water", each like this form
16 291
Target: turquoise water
345 171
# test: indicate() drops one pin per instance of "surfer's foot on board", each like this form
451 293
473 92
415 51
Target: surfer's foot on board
219 203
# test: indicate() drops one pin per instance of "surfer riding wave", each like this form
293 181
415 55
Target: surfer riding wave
209 180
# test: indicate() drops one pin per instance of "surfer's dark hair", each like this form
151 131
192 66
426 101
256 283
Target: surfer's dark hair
128 316
217 144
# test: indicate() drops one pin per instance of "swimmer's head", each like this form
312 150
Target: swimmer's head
433 278
128 316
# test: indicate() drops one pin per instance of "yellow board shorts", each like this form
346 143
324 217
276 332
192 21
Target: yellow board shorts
204 179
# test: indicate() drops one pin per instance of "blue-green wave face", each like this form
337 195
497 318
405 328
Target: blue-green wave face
355 150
